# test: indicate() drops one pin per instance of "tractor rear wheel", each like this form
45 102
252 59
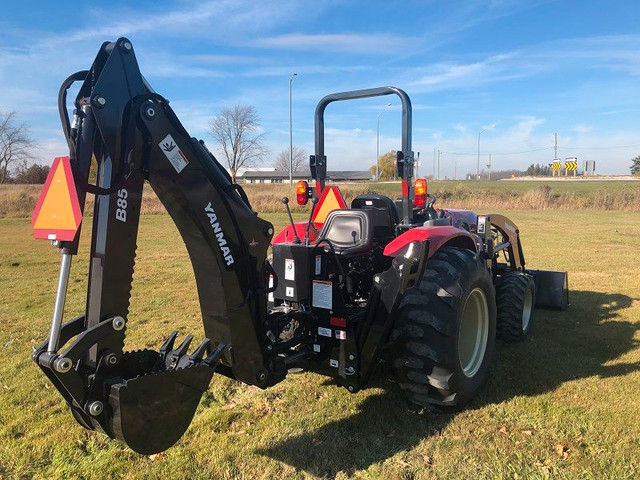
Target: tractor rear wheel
444 337
515 296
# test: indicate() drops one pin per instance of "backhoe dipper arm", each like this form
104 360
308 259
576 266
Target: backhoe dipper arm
147 398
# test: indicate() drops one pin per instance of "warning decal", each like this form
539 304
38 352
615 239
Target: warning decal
321 295
289 269
173 153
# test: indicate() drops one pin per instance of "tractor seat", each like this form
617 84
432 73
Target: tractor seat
349 231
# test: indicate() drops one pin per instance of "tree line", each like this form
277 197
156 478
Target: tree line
240 144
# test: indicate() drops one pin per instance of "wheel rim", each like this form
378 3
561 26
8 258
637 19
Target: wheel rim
527 309
474 332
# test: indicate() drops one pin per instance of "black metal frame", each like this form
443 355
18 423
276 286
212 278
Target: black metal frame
405 157
125 126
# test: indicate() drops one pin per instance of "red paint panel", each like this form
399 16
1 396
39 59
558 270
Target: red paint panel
286 234
338 322
405 188
437 237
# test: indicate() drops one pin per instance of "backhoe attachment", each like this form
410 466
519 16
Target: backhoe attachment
147 398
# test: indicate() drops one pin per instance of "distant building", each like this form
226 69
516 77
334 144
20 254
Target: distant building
278 176
349 176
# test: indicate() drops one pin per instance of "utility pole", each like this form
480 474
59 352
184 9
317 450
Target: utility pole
438 165
455 169
378 142
555 146
478 164
290 134
489 166
434 163
417 165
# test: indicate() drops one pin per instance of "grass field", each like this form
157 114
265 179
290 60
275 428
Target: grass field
563 404
19 200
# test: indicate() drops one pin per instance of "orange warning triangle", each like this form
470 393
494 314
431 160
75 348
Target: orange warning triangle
57 214
330 200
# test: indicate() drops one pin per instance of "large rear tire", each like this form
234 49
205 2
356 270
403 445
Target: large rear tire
515 297
444 337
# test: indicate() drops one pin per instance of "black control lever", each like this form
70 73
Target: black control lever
314 202
296 238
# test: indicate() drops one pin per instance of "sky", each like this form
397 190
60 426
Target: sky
520 70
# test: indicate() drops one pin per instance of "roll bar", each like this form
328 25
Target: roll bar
318 162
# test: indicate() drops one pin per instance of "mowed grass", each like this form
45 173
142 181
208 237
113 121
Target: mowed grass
563 404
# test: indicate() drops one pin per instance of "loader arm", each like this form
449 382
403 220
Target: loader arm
147 398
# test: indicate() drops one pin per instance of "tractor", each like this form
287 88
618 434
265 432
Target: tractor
424 290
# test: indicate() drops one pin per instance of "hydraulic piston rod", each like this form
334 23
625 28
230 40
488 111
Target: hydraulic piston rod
58 309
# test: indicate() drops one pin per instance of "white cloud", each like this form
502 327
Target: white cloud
582 129
368 44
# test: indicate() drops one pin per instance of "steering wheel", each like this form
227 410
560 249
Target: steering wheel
428 208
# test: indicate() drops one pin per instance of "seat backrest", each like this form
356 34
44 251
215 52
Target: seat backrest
384 215
349 231
379 202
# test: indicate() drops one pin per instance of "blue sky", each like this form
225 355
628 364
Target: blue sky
528 68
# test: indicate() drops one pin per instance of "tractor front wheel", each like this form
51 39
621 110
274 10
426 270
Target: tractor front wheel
444 337
516 298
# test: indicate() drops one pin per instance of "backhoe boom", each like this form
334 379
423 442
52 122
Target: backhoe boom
134 136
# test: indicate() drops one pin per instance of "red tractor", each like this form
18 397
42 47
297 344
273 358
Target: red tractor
425 290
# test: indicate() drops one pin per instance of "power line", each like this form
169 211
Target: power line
543 149
502 153
600 148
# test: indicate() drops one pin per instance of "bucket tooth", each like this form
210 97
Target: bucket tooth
167 346
174 356
199 352
186 361
214 356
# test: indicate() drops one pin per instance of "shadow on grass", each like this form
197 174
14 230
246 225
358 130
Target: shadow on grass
563 346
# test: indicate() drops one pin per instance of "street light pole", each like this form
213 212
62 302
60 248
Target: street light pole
290 134
378 142
478 166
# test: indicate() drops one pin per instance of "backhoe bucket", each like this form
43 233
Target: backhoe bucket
552 289
146 398
151 412
153 396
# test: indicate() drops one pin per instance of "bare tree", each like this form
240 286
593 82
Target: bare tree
15 143
236 131
300 157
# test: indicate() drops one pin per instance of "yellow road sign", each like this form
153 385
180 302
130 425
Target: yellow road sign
571 165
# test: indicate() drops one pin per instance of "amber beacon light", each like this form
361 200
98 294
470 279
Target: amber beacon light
420 193
302 192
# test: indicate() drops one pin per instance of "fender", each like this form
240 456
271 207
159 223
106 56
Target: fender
437 236
286 234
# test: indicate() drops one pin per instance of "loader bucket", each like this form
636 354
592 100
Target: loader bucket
552 289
